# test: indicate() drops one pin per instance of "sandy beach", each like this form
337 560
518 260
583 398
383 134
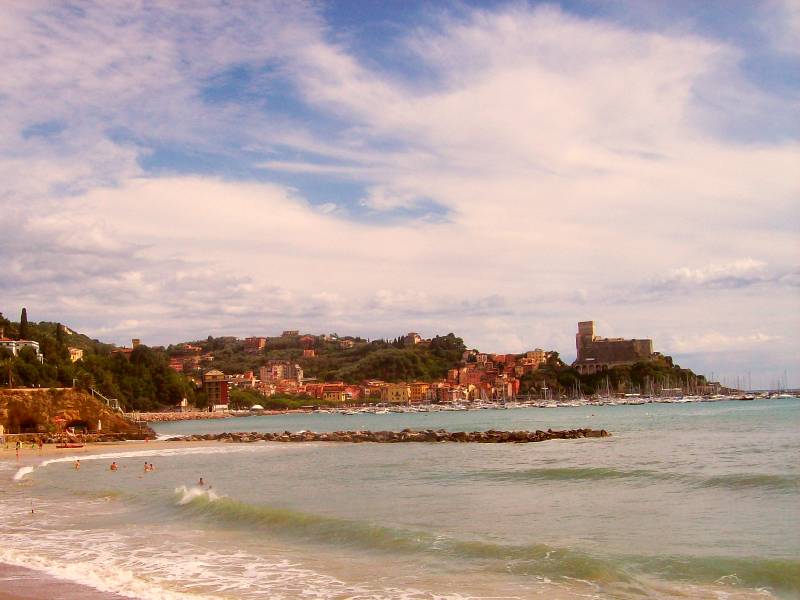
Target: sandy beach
32 456
21 583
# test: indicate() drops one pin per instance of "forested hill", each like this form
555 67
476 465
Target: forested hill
348 359
142 382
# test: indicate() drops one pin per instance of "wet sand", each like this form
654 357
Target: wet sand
19 583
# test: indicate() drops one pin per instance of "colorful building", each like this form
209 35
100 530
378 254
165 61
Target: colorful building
215 385
418 392
396 393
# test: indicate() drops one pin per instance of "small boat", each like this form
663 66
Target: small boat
71 445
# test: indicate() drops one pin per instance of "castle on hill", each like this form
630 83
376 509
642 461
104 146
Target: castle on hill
597 354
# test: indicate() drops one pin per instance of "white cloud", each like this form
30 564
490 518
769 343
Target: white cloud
714 341
781 24
576 159
385 198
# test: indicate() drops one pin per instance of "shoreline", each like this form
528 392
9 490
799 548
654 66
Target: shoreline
25 583
33 456
166 417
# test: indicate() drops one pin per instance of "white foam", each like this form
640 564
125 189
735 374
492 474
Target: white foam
22 472
184 571
190 493
102 577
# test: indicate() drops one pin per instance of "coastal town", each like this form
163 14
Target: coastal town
226 376
478 378
328 371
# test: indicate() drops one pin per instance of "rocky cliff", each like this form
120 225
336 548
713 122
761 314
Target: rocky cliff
53 410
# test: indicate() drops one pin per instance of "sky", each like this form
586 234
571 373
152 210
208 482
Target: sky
501 170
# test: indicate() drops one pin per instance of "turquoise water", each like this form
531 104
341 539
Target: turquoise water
691 500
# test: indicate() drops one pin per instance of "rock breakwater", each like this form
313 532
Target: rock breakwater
406 435
163 417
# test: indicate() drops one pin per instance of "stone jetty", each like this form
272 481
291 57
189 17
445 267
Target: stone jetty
406 435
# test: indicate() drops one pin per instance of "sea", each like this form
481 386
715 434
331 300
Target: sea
695 500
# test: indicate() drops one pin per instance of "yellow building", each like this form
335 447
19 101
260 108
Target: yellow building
396 393
334 396
75 354
537 356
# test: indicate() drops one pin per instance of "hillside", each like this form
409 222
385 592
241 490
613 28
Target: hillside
639 378
142 381
348 359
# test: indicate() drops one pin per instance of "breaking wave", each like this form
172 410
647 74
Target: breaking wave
336 531
538 560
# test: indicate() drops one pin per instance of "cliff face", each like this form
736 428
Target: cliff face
46 411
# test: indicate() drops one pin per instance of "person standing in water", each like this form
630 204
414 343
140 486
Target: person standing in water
77 465
113 466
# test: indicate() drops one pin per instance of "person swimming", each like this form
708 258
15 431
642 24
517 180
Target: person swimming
113 466
201 483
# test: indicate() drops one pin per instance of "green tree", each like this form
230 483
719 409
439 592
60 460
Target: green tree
7 366
5 327
23 324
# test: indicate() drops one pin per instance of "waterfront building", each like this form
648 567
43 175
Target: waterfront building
215 385
418 392
290 333
396 393
333 392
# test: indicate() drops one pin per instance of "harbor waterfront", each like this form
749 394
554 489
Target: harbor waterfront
697 500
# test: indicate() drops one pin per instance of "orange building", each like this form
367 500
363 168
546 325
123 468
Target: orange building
418 392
